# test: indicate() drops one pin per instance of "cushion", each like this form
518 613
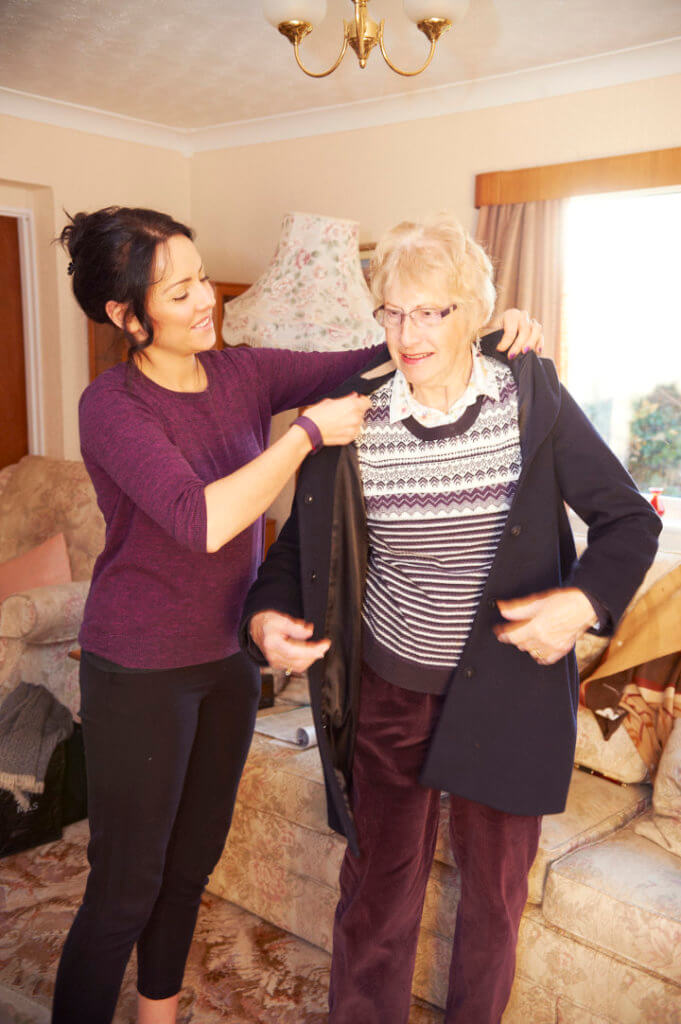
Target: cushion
42 566
571 1013
588 651
617 757
46 615
663 826
5 474
286 781
622 895
46 496
267 868
595 807
605 989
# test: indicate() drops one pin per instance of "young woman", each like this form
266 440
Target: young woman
176 444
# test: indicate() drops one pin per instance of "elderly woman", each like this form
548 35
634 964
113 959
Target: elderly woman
428 578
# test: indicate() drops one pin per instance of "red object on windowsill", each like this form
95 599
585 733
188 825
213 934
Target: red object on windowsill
656 499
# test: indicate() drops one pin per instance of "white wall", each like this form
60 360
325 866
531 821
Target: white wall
51 170
235 198
380 176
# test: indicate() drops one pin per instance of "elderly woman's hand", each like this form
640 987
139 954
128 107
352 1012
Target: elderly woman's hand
521 333
285 642
546 625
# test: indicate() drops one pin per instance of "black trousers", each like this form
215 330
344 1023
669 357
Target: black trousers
164 752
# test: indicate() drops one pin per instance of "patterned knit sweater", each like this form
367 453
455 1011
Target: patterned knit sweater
437 499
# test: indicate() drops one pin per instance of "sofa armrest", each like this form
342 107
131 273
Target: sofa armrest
44 615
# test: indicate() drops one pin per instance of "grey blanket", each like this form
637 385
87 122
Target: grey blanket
32 723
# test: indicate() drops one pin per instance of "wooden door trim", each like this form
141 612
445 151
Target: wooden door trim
30 308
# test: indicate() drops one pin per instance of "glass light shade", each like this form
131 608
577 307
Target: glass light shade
277 11
419 10
313 294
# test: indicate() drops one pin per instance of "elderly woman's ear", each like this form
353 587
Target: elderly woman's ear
521 332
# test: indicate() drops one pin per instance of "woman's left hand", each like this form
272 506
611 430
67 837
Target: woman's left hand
546 625
521 333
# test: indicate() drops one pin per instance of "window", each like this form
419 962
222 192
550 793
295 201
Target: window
622 338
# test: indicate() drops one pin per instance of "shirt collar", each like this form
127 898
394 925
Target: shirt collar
482 382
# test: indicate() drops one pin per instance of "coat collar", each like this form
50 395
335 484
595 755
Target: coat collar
538 394
538 390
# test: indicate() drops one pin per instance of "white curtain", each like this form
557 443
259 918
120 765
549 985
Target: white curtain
525 243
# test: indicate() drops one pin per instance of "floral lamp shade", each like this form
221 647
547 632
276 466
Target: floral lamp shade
313 294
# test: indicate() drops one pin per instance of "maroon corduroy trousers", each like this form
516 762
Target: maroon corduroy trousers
382 891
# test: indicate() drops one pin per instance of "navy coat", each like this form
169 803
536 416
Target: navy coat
506 732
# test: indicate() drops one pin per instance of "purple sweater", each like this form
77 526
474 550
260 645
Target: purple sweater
158 599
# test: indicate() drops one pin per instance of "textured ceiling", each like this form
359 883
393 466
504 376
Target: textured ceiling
189 65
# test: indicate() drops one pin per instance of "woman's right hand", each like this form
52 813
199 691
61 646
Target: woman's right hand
284 641
339 419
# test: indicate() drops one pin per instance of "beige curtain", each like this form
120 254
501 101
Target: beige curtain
525 243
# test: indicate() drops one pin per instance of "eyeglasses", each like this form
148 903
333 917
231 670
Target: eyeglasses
422 316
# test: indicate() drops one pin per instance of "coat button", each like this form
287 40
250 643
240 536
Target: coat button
516 530
469 672
313 576
308 499
492 603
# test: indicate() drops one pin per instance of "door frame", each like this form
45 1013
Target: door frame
31 316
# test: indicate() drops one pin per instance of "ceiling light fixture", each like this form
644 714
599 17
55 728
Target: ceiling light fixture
296 18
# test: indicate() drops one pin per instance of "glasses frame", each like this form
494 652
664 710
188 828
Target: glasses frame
409 314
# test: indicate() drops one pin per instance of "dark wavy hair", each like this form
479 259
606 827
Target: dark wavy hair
112 258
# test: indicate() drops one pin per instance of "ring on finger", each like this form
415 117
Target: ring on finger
537 655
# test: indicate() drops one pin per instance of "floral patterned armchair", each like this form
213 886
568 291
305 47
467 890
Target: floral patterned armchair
40 497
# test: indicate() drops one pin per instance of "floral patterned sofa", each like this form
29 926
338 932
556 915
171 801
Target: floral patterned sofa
601 931
41 497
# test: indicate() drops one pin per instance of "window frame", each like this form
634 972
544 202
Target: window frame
629 172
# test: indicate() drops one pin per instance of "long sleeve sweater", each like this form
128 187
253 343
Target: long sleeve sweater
158 599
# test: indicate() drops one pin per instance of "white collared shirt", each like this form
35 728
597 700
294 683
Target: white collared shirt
482 382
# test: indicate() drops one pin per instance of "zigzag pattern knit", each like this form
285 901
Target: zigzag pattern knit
437 500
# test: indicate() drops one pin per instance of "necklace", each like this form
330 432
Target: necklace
198 382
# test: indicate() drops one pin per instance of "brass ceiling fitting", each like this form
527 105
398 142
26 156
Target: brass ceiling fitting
362 34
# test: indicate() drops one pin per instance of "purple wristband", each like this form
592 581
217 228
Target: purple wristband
312 431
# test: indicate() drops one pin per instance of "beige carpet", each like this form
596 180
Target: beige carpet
241 970
15 1008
